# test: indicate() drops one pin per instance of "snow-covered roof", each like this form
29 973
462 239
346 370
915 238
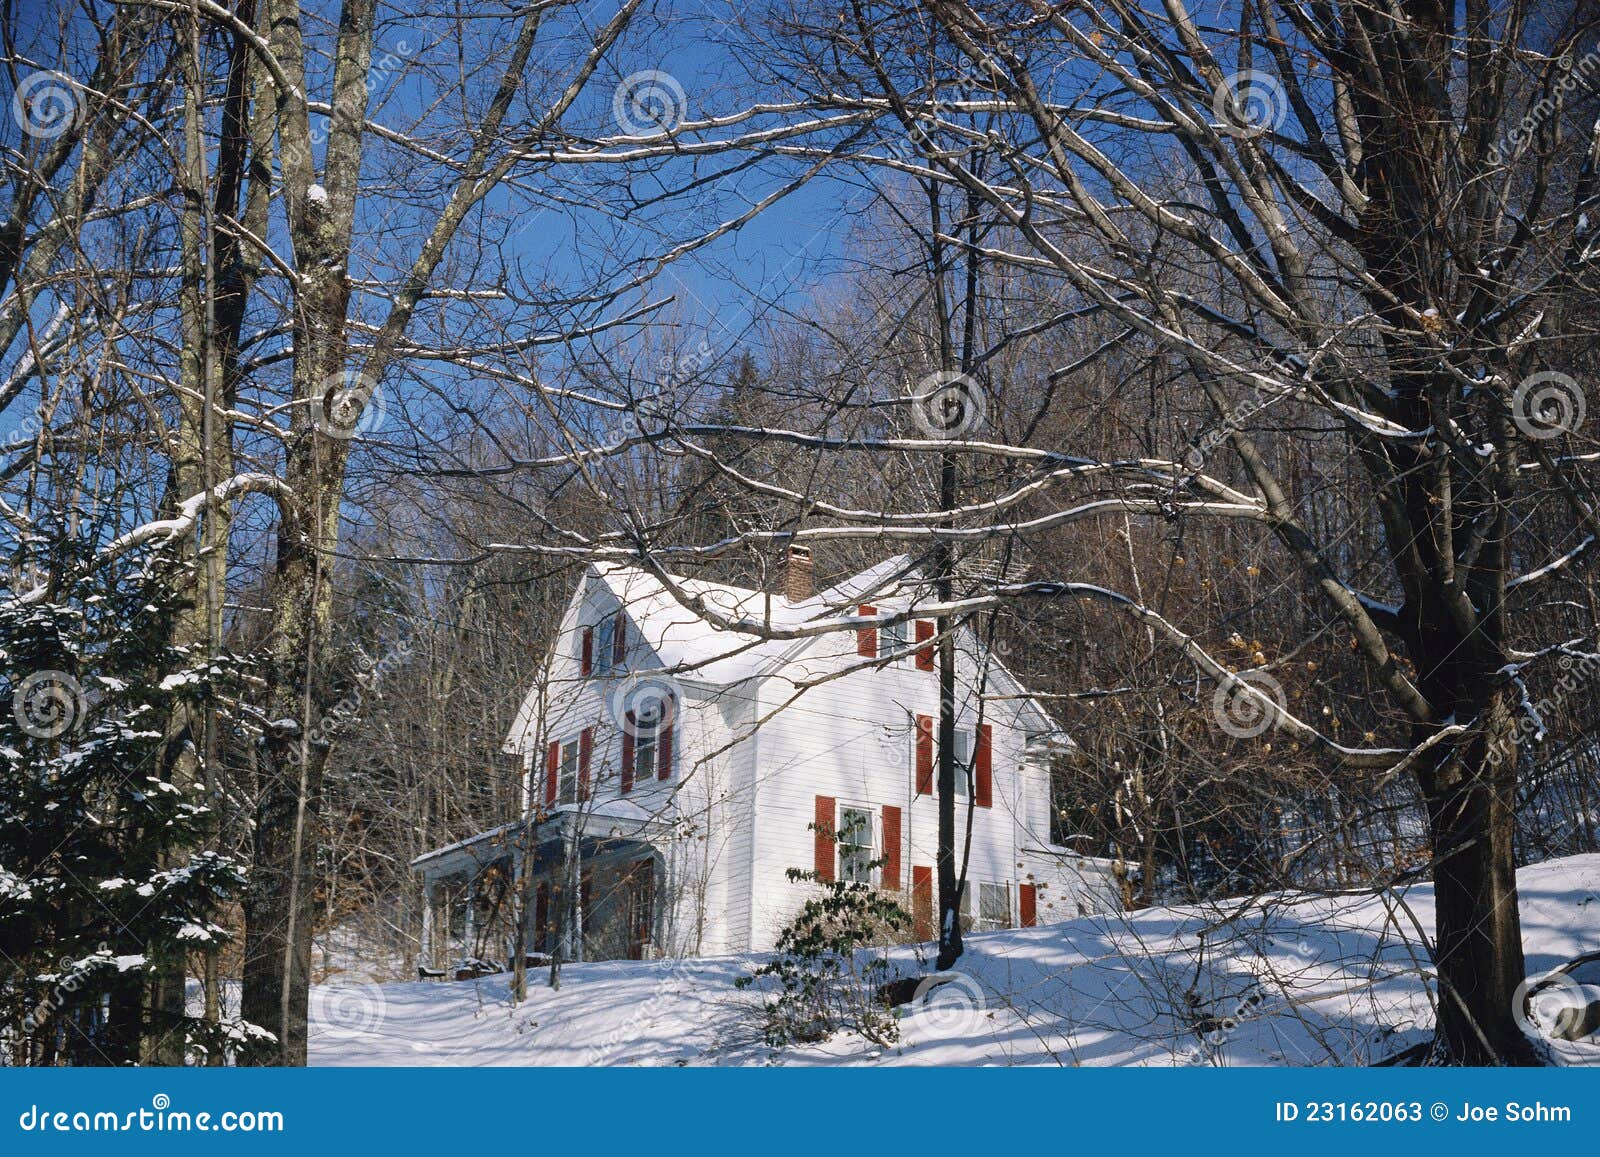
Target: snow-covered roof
589 815
696 647
693 646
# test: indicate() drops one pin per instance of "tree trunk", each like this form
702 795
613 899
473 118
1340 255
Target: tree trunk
1478 941
279 907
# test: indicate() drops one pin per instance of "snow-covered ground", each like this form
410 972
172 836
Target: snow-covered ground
1294 982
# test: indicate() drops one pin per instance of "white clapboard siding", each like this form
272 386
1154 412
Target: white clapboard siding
764 727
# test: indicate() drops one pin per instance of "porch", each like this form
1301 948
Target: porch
589 879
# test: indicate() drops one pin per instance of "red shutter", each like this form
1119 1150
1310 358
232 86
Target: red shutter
924 755
983 768
669 715
541 916
585 753
619 639
891 848
922 902
823 844
627 753
586 666
867 637
925 632
552 771
1028 906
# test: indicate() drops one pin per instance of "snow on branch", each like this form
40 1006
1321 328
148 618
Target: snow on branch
165 530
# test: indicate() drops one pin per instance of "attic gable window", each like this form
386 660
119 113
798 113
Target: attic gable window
605 645
647 743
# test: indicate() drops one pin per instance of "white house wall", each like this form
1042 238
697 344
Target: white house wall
852 738
751 758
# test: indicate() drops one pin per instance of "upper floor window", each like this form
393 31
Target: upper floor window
973 758
647 741
566 768
855 845
567 775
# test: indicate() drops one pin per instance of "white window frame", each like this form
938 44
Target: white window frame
985 924
869 848
966 753
972 919
571 754
646 748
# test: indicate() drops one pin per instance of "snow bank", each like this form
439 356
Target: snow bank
1292 981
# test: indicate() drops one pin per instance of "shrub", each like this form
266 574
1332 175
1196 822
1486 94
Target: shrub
827 968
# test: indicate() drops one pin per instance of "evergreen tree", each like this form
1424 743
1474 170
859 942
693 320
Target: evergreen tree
100 879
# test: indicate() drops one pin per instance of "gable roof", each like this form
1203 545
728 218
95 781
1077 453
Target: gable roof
695 649
698 649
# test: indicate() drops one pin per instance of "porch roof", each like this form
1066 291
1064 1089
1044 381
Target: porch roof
620 821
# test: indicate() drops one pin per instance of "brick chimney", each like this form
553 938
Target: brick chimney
798 582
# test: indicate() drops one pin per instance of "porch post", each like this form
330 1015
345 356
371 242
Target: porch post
427 953
572 895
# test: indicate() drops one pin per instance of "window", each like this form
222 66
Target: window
964 745
895 638
855 845
646 741
994 907
567 780
604 634
647 738
927 760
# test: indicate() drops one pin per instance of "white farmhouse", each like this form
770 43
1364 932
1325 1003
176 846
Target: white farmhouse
677 768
